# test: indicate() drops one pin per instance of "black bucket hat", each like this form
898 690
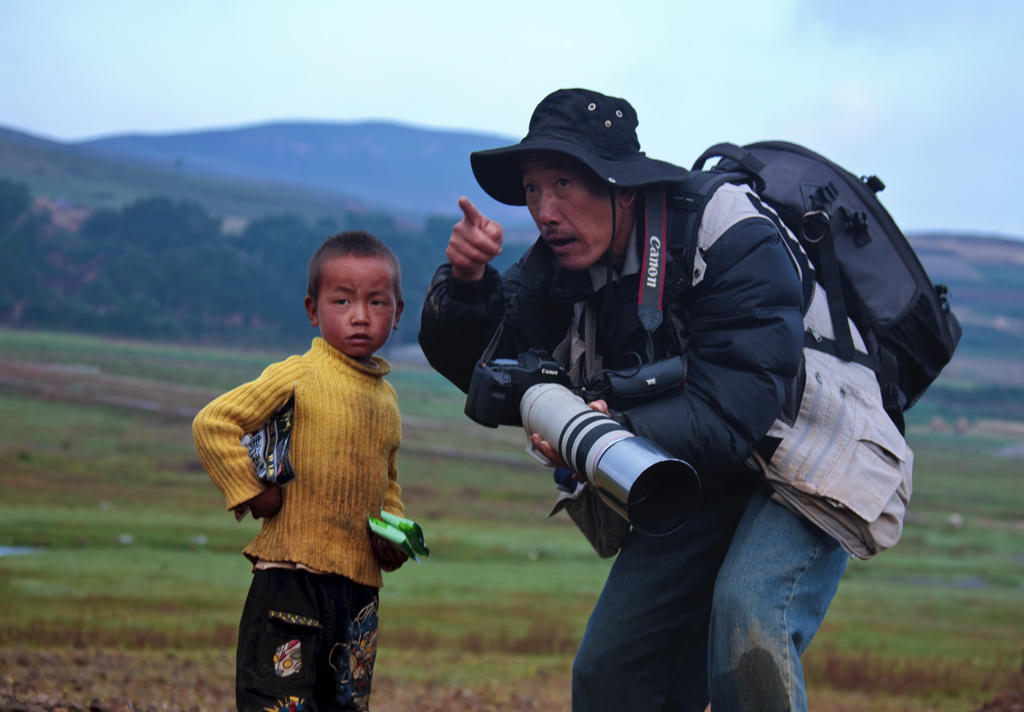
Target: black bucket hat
596 129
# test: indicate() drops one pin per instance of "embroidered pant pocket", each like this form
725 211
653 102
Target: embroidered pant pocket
287 647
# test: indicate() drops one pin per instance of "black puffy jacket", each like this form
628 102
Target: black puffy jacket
742 337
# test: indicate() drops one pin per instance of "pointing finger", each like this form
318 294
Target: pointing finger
481 225
471 214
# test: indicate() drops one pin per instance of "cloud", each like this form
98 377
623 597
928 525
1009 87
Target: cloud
911 90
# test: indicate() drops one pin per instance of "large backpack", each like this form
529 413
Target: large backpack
864 262
877 333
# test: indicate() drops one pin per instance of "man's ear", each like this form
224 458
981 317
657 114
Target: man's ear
398 314
625 197
311 311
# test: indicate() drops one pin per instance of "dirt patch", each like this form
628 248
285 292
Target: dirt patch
148 681
152 681
1007 702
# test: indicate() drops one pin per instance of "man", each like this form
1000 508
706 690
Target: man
720 610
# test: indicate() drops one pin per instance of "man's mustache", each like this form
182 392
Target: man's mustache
555 234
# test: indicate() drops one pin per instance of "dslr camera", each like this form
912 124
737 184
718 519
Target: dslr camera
497 386
638 479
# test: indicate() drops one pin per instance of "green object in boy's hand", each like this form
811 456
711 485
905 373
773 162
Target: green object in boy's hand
403 534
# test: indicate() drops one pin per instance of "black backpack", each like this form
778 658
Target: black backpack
866 265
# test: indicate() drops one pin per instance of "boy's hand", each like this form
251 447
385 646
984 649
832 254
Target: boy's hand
267 503
387 556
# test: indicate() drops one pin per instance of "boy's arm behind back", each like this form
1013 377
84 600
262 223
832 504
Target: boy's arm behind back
219 427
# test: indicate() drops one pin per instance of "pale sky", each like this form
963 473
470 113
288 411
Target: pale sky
927 94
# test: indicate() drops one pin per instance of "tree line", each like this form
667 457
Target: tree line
164 269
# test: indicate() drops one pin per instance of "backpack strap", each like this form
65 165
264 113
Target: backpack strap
687 201
884 366
796 251
816 230
748 162
813 340
817 223
834 289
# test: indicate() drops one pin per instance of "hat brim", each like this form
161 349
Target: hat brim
498 170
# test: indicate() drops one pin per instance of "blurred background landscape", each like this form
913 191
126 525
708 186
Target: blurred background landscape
204 237
158 206
142 277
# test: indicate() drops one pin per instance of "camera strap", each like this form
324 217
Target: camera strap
485 357
531 273
652 262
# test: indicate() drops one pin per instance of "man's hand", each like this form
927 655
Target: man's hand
267 503
547 450
475 241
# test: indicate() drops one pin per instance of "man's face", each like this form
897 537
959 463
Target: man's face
356 309
571 207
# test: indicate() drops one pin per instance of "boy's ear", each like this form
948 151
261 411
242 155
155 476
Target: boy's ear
398 314
311 311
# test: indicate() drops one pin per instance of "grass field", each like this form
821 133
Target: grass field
132 551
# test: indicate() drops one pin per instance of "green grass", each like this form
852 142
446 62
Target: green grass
220 369
139 551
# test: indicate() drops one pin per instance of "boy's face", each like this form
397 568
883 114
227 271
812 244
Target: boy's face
356 309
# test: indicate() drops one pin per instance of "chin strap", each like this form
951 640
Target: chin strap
608 315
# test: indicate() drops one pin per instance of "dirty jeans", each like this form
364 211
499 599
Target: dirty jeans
718 611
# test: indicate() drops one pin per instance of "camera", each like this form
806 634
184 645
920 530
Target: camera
497 386
638 479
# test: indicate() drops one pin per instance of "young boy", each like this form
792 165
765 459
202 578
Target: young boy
308 633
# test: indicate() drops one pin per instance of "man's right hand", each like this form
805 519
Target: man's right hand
475 241
548 450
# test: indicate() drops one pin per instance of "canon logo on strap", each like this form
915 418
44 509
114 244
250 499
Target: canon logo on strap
653 260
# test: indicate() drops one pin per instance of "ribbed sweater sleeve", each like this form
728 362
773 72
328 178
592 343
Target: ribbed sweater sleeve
344 452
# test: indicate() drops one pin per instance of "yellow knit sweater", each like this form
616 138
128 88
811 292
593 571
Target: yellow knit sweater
344 445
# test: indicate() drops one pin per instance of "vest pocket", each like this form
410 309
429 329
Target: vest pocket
842 463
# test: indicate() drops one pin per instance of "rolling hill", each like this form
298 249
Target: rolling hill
386 165
398 176
91 179
311 170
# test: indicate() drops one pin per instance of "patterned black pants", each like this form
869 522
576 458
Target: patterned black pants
306 642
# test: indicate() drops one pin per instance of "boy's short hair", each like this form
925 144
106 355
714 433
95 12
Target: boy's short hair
352 242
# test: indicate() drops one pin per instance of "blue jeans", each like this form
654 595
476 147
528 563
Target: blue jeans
718 612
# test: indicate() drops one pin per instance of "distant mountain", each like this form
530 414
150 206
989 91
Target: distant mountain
95 179
88 269
387 165
311 169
